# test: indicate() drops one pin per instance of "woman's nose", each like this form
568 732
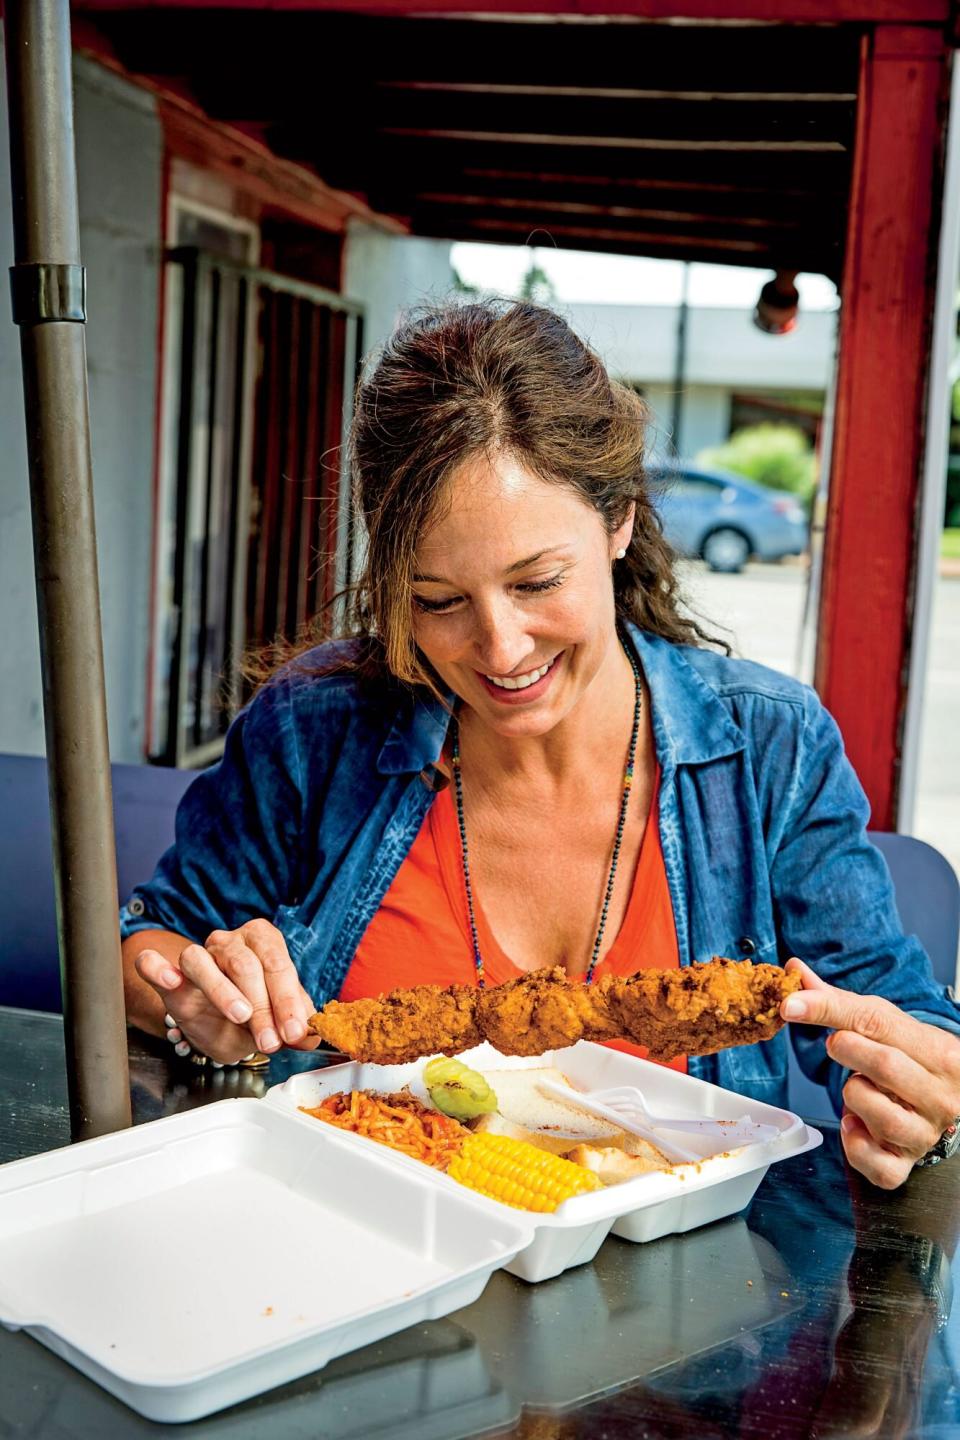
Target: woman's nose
500 642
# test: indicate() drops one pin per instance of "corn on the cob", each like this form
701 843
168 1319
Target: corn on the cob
517 1173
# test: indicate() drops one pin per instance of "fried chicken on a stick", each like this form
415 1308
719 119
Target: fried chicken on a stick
543 1011
691 1011
698 1009
402 1025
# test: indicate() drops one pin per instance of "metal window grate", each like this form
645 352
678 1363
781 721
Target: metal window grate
260 525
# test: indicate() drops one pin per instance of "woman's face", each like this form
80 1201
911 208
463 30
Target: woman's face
513 595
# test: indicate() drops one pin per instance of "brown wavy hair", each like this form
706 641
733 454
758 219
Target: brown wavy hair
459 380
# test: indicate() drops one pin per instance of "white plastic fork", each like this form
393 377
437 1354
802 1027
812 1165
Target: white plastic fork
624 1122
626 1107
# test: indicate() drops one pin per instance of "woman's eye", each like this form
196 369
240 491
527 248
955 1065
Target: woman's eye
434 607
441 607
536 587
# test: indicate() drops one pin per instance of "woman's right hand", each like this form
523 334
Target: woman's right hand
237 992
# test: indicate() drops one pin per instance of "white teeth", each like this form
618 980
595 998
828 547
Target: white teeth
520 682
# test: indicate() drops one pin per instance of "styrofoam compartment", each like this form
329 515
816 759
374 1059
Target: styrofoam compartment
200 1259
663 1202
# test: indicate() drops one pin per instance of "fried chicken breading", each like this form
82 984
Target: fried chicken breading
698 1009
403 1025
695 1010
543 1011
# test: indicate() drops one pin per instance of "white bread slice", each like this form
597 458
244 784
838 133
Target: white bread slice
543 1139
520 1101
612 1166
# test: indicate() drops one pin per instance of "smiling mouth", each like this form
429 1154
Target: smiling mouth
520 682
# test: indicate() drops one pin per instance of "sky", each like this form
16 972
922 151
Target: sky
626 280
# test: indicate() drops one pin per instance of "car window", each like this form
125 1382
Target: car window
696 488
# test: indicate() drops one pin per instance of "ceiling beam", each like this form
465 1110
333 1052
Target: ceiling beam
634 238
782 12
273 55
699 188
621 142
667 123
733 220
356 160
809 254
608 92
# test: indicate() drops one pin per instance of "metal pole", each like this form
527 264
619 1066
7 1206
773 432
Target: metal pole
48 305
680 363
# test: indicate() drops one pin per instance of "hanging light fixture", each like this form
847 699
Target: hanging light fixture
776 312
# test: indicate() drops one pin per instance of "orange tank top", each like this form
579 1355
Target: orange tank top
420 935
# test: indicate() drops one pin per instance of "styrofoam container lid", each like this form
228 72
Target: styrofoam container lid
661 1202
200 1259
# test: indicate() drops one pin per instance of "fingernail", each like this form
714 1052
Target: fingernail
169 979
240 1012
293 1030
269 1040
794 1008
847 1124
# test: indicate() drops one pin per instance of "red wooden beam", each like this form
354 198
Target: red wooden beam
888 298
784 12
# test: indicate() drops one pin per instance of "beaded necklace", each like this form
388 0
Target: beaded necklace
617 841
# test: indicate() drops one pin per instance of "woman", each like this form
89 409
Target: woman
621 796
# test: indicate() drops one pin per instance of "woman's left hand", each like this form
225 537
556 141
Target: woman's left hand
905 1089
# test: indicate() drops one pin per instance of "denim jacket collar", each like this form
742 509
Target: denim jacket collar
691 725
416 737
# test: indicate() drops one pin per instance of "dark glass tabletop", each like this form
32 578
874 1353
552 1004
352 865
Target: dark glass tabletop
821 1310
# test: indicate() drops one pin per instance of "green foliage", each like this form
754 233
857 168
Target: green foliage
538 287
777 455
951 509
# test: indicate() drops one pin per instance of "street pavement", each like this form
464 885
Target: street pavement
762 609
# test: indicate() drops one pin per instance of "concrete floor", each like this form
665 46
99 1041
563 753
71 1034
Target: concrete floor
762 608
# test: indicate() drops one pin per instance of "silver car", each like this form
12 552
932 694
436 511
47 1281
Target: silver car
725 518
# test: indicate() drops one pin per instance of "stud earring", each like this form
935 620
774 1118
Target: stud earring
621 554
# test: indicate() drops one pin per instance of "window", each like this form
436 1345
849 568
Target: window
694 487
254 532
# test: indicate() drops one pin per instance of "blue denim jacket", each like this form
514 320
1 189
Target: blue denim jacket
319 797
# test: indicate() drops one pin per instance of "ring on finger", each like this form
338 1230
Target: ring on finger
182 1047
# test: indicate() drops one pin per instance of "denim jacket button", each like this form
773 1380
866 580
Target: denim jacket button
136 906
746 946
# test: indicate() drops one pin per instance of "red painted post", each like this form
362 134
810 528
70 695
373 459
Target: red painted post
887 311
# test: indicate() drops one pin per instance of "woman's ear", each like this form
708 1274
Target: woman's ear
620 540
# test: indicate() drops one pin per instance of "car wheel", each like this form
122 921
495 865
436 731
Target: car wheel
726 550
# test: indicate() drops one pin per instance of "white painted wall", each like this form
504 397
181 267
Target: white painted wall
724 351
119 151
724 347
392 273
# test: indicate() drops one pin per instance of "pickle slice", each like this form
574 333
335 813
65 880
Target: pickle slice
458 1091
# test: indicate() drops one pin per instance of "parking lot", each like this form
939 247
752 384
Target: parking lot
762 609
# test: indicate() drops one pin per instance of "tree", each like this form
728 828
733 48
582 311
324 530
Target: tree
777 455
537 286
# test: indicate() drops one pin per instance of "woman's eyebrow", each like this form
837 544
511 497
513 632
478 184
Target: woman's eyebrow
517 565
531 559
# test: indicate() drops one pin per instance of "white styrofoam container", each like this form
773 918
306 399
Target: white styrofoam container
664 1202
197 1260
